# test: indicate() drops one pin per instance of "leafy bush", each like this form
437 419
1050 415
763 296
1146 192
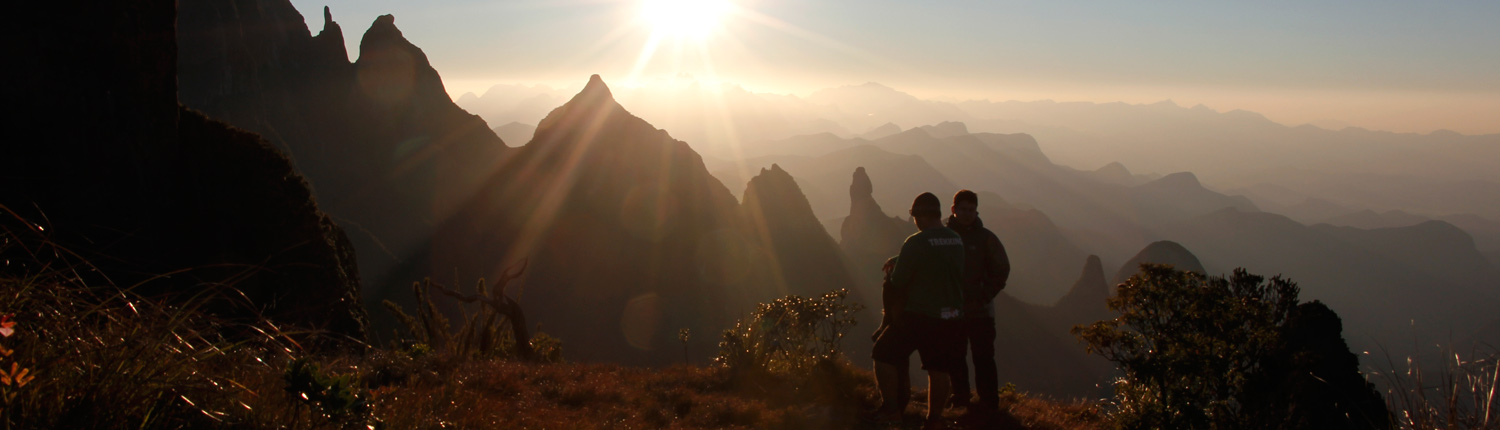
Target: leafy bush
788 336
1235 352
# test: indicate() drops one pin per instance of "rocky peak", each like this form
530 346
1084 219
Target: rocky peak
1089 293
775 191
772 181
329 42
1177 181
1161 252
861 188
590 109
1114 169
946 129
884 130
382 31
395 74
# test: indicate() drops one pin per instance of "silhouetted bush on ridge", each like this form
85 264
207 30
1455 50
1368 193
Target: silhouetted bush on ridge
1229 352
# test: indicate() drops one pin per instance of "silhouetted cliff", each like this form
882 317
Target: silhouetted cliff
387 153
804 258
138 186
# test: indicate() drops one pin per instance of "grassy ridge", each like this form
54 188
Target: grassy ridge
114 361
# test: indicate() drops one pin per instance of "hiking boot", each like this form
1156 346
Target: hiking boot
959 402
883 417
987 405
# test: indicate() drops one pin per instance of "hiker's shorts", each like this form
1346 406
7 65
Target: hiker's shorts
940 342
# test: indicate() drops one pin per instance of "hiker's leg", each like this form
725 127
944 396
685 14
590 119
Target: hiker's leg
903 384
886 379
892 352
960 372
939 387
986 378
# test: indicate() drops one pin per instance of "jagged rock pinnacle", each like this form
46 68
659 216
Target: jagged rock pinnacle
861 187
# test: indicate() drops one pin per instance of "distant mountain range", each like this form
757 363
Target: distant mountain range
1112 213
1437 174
630 234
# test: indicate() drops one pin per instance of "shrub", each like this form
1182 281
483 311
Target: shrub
1235 352
788 336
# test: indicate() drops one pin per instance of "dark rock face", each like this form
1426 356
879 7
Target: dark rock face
1161 252
147 187
387 153
804 258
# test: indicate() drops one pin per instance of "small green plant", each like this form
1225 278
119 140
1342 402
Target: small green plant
683 336
336 398
790 335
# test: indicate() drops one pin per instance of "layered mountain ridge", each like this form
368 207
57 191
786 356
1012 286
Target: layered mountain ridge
384 149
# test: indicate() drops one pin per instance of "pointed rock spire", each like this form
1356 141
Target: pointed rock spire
330 42
1086 299
861 187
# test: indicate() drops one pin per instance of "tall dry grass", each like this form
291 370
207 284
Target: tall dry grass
98 356
1462 394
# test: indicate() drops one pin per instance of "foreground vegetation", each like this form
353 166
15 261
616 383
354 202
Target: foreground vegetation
91 359
1241 352
76 353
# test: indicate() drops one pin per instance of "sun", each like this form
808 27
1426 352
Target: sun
691 19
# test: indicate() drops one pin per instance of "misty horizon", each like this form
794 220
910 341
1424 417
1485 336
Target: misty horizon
1399 68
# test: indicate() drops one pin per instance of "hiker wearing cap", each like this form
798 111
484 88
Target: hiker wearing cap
986 268
928 274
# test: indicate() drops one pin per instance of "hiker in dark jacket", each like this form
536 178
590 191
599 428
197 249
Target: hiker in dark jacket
927 276
986 267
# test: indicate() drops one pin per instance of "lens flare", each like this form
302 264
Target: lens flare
694 19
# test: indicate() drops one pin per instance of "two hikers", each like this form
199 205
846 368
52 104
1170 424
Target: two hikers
936 298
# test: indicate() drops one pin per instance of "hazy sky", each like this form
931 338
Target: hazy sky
1387 65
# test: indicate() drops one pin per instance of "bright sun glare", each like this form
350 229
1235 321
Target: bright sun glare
694 19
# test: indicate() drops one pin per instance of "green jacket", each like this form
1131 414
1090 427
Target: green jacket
930 271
